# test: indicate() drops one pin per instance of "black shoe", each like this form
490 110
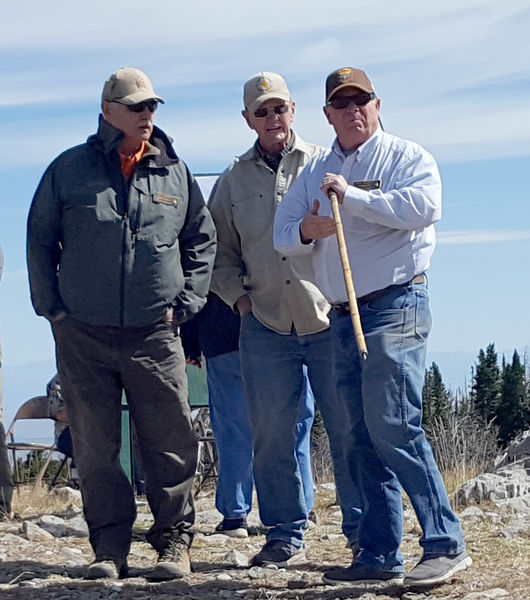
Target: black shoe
173 562
313 517
279 553
362 574
107 567
236 528
437 570
5 512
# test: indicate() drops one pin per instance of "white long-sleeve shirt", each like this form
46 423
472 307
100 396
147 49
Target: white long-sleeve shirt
388 225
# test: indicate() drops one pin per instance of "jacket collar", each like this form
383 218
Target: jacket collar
160 151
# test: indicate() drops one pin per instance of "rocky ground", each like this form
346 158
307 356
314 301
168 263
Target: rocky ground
44 551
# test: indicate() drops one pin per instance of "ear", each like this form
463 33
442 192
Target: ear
245 114
106 109
326 112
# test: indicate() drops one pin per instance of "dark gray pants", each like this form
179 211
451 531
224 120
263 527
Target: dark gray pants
95 363
6 481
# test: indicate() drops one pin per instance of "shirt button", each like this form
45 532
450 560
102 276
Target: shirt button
288 281
284 258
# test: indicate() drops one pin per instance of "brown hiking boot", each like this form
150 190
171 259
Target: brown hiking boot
173 562
107 568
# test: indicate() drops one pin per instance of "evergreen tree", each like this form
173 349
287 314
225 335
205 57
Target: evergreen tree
487 384
436 398
527 388
512 409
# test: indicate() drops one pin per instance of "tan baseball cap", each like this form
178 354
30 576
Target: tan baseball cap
347 77
129 86
264 86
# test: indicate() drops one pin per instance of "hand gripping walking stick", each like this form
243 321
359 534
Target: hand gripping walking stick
348 280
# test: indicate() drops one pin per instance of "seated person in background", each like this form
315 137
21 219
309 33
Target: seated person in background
215 332
63 437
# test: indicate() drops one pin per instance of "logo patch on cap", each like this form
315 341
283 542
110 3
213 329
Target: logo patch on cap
140 83
344 74
263 84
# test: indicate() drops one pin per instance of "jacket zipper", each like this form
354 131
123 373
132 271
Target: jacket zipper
138 216
123 263
126 226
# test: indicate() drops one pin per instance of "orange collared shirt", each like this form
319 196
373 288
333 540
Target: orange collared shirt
128 162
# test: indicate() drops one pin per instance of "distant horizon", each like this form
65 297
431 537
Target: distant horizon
447 362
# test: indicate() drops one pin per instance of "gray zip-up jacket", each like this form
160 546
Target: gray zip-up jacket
114 252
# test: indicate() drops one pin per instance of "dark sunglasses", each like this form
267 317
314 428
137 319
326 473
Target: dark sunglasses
263 112
340 102
151 105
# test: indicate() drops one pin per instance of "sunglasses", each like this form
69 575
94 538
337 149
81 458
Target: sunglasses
151 105
264 112
340 102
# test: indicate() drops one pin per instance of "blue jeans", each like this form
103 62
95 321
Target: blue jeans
233 437
272 367
304 424
386 445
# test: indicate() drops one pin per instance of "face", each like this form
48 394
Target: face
274 130
137 127
353 124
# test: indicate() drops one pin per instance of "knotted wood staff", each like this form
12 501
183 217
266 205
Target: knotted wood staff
348 280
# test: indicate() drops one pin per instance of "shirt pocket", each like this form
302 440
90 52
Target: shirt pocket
253 217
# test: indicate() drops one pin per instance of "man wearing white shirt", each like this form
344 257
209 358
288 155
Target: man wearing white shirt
389 190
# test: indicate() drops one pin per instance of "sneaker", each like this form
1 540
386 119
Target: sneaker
279 553
173 562
362 574
236 528
436 570
107 568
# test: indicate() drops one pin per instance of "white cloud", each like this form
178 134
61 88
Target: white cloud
453 76
481 237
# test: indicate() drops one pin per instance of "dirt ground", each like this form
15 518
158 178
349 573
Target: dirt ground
54 568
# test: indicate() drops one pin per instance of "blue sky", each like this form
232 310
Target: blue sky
453 76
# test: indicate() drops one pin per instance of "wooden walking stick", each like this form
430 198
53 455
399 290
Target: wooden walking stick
348 280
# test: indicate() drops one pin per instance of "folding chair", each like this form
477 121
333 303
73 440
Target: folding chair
198 401
34 408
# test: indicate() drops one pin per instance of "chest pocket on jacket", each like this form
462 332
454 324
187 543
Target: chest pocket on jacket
89 210
253 217
160 218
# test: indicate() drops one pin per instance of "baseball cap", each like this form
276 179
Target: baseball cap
264 86
347 77
129 86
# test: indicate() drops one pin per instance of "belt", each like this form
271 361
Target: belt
344 307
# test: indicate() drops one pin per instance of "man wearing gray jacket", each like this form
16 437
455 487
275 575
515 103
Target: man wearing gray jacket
120 251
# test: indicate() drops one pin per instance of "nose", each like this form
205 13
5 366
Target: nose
271 114
352 105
